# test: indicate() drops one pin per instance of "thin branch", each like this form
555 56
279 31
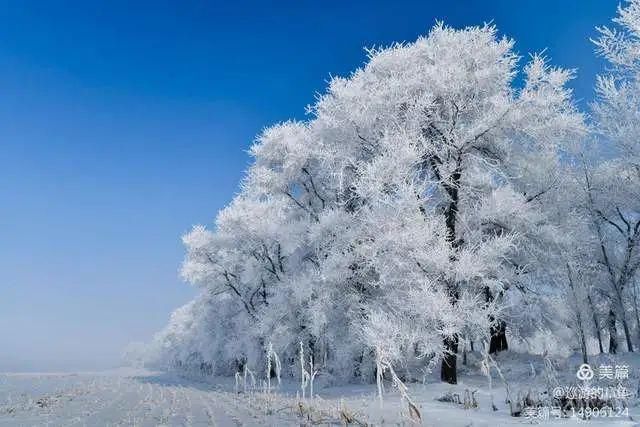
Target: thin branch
313 186
542 192
624 220
607 220
303 207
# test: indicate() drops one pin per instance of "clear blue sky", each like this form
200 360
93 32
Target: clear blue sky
122 125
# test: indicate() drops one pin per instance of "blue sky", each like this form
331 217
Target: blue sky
123 125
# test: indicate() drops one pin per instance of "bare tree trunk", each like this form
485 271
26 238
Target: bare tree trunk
613 332
581 334
578 313
498 340
596 324
497 330
623 317
627 333
617 283
357 369
583 347
635 308
464 350
448 371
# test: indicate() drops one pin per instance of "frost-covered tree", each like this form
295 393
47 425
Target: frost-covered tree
405 215
450 95
613 186
571 249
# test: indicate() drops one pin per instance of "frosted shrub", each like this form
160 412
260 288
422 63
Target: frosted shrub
248 372
306 376
273 365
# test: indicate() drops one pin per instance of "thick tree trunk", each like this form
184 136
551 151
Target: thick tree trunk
635 308
448 371
357 369
578 313
596 324
623 319
598 334
613 333
497 330
627 333
498 340
464 353
623 315
583 346
581 335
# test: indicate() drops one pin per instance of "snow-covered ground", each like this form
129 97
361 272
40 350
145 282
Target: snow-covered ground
146 398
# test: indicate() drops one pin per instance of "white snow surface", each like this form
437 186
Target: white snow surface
137 397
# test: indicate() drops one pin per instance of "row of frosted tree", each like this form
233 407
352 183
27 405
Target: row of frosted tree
446 197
